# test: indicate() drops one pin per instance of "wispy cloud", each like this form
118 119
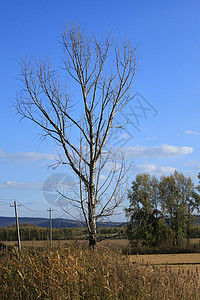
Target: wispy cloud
162 151
13 185
26 156
191 132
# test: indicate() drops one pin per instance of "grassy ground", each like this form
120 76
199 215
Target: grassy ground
120 242
113 243
108 242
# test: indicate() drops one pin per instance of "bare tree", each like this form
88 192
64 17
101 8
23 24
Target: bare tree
102 71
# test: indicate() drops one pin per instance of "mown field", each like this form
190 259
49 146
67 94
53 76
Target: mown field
179 262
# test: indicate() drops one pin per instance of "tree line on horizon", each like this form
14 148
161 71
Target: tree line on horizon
30 233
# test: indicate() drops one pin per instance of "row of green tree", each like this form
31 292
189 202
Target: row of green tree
162 209
30 233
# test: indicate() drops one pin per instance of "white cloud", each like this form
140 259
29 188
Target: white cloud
191 132
26 156
124 136
162 151
193 163
146 168
151 138
21 185
167 169
153 169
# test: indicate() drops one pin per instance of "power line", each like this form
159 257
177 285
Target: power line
40 212
2 200
22 212
7 198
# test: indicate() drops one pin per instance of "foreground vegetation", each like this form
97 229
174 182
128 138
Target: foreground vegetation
69 273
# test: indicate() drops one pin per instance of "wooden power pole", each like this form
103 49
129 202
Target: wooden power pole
17 224
50 227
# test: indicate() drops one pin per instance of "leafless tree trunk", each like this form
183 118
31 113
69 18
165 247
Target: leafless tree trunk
102 71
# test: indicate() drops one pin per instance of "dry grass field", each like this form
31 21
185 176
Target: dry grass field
77 272
187 261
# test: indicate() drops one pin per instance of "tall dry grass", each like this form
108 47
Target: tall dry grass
80 273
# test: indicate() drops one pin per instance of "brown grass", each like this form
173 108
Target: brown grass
77 272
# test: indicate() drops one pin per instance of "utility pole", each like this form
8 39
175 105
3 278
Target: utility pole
17 224
50 227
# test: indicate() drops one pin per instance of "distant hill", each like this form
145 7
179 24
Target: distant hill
60 223
56 223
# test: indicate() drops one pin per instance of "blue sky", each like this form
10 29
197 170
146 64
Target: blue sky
168 37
